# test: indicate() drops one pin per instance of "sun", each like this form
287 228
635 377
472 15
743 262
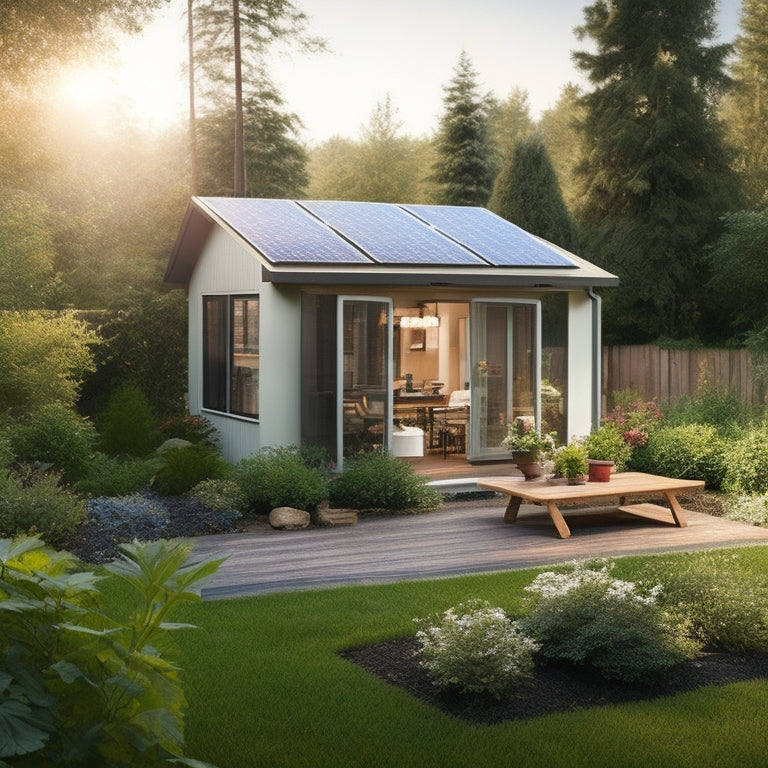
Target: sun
140 82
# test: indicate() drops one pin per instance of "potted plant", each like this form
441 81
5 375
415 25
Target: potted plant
606 450
571 463
528 446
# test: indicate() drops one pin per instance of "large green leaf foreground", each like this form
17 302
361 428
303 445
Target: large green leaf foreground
83 686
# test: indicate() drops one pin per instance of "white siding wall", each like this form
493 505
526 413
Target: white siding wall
225 267
580 364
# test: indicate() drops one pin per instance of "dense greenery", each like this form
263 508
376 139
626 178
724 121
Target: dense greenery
656 174
81 686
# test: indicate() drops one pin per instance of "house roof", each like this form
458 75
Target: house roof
333 242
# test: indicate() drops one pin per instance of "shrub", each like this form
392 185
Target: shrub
726 412
57 436
219 494
608 444
83 688
181 468
475 648
636 418
193 429
725 607
690 451
129 425
747 466
280 477
45 357
35 503
115 476
752 510
585 616
376 480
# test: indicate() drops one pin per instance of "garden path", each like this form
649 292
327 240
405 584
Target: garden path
463 537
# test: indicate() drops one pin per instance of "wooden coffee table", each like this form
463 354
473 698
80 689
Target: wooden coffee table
622 485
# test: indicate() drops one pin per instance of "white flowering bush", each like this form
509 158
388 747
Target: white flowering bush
750 509
475 648
585 616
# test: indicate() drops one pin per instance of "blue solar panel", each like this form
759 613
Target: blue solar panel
390 235
285 233
500 242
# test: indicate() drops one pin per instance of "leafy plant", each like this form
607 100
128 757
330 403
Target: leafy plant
746 471
571 461
475 648
115 475
523 437
220 494
724 607
55 435
277 477
79 687
690 451
634 417
608 444
182 468
33 502
376 480
195 429
585 616
128 426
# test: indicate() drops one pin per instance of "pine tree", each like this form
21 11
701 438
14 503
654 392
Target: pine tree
656 172
466 166
746 113
527 193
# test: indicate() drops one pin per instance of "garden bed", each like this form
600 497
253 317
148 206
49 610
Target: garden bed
553 688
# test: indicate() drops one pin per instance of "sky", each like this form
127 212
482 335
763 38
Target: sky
405 49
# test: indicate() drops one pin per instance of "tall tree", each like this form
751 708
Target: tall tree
559 127
233 38
511 122
746 109
33 34
656 173
526 193
466 155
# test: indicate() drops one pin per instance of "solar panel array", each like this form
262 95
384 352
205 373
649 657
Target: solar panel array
389 235
355 233
284 233
500 242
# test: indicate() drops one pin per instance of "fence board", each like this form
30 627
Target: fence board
666 374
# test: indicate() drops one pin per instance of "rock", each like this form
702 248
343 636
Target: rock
335 517
174 442
288 518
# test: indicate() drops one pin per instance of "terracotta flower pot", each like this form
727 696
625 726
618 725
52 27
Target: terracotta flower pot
600 471
526 463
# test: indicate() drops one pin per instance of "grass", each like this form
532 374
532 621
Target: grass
267 688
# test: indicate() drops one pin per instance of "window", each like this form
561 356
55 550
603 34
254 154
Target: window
231 354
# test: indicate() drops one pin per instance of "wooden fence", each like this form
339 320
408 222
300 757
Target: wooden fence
665 374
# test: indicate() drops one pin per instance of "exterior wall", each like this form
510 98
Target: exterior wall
225 267
581 364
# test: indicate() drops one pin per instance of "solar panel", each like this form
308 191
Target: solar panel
389 235
500 242
285 233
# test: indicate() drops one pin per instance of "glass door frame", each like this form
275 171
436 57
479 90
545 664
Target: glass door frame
341 300
476 451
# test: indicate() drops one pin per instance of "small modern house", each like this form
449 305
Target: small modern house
416 327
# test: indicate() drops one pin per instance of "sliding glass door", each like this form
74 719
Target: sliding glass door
505 358
364 404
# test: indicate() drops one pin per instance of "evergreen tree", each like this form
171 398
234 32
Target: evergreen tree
746 112
511 122
559 127
657 177
466 157
526 193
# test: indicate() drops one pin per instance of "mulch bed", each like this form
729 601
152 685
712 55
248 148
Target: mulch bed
552 688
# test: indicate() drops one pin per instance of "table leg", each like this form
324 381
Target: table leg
558 520
677 511
513 507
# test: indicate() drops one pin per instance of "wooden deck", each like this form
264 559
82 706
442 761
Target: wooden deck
464 537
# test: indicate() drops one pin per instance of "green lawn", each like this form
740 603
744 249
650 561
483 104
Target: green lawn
267 688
